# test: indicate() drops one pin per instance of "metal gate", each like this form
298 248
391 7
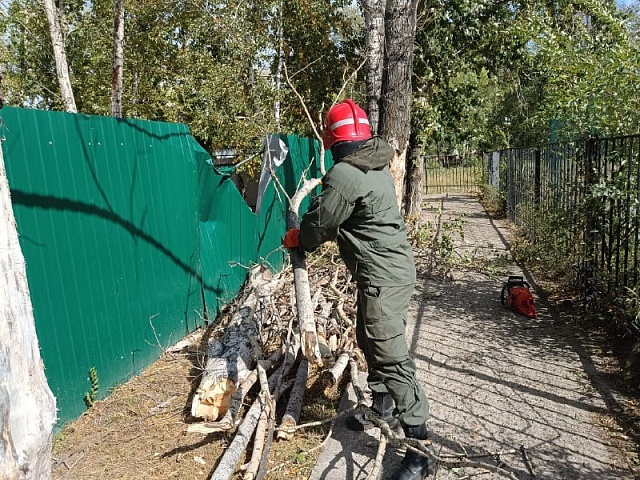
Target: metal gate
454 173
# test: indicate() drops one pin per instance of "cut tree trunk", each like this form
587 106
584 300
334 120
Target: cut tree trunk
234 451
27 405
294 407
231 359
304 306
229 363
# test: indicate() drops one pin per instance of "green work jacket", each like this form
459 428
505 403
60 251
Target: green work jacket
358 208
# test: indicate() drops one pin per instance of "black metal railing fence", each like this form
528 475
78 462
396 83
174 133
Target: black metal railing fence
580 200
459 173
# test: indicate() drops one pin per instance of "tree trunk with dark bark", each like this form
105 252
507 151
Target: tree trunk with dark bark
374 21
395 111
414 187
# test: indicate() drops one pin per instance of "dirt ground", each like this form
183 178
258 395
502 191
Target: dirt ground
140 430
545 398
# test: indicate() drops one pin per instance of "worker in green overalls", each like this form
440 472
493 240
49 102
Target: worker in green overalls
358 208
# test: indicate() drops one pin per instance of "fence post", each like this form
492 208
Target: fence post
511 188
591 220
536 179
494 170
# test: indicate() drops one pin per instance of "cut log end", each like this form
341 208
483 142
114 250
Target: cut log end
287 422
212 402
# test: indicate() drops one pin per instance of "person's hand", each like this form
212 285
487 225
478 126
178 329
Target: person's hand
292 238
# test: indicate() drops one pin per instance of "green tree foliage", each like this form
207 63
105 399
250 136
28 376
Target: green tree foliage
494 74
28 67
486 74
209 65
321 45
592 72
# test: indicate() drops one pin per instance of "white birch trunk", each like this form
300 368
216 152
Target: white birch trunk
118 58
304 307
229 363
231 359
60 55
374 22
278 76
27 405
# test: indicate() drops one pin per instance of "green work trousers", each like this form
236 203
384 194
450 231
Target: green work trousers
380 332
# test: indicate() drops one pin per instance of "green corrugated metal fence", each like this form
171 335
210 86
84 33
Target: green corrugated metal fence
126 228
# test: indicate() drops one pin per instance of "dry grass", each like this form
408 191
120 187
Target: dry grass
139 431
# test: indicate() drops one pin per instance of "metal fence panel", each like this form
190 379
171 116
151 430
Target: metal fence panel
455 173
111 263
127 230
582 197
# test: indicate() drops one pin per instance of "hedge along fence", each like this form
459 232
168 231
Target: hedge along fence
129 236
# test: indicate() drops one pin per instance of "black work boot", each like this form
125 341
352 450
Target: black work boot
383 406
415 466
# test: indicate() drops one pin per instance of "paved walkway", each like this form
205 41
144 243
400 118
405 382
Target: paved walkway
496 381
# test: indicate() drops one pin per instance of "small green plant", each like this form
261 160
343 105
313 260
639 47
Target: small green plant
59 440
91 396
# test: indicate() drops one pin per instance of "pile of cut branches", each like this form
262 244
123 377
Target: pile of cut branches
260 347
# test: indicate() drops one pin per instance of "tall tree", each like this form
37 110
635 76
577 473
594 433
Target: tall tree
118 58
374 11
390 34
27 405
395 105
60 55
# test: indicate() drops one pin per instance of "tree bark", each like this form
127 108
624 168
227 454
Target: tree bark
60 55
414 180
374 21
229 363
294 406
309 342
395 111
118 58
27 405
231 457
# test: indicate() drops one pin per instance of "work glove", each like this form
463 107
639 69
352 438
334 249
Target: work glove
292 238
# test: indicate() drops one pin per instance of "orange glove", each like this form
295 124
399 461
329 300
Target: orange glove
292 238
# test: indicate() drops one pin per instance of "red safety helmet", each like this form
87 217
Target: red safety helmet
345 122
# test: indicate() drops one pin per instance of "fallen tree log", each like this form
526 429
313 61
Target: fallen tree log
294 407
231 359
304 305
234 451
228 421
229 363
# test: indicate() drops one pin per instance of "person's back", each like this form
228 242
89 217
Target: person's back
358 209
372 239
